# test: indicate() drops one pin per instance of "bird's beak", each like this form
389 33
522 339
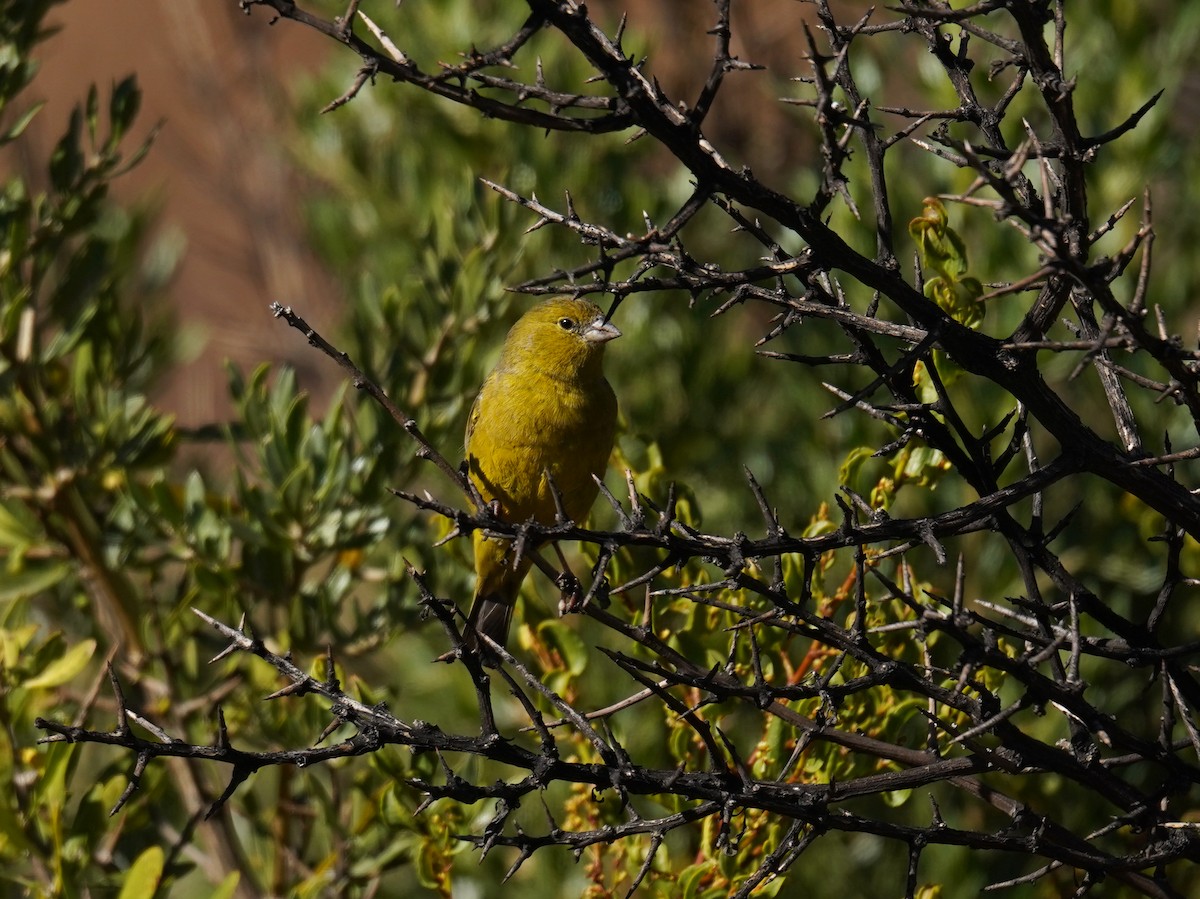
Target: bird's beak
600 331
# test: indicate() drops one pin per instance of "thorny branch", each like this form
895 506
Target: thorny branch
988 667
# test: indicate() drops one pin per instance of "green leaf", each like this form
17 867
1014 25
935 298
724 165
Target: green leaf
64 668
690 878
141 882
940 246
17 128
852 464
123 108
394 813
228 886
429 860
110 791
943 252
92 112
18 528
570 647
24 584
11 831
896 798
51 788
770 888
66 162
193 495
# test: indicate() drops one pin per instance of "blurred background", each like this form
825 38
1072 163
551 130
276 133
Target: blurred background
228 195
237 168
225 179
254 200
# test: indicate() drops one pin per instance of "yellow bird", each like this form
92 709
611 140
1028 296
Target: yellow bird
545 412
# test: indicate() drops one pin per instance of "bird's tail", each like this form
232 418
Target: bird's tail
497 585
490 615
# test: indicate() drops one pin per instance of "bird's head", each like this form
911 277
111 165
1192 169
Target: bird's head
564 337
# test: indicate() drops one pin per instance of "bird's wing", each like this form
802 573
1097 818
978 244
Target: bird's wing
474 416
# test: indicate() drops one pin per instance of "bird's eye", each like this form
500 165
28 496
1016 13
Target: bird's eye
566 324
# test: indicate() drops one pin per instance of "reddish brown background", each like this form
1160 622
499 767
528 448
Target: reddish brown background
218 171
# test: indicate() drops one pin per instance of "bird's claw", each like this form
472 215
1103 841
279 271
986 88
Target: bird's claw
570 598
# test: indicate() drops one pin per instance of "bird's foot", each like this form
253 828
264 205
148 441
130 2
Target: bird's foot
572 599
